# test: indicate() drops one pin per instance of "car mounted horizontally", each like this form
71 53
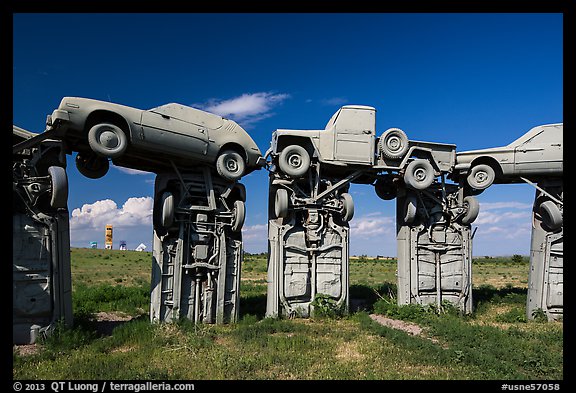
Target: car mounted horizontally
154 140
348 146
535 155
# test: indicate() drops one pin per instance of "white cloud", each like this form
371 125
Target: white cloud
495 217
131 222
503 228
505 205
373 224
334 101
135 211
247 108
505 213
258 231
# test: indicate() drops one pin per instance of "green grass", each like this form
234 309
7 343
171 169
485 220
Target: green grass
495 342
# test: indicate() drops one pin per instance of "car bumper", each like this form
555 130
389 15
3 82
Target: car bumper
57 117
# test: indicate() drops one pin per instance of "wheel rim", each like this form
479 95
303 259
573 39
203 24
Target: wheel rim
393 143
481 177
420 174
232 165
295 161
108 139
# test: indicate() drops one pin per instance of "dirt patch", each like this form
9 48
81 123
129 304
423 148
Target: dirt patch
26 349
112 316
408 327
107 321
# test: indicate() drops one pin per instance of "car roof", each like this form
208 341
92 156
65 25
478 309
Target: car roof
190 115
537 130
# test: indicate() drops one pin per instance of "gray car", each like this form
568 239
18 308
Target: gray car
41 276
536 154
155 139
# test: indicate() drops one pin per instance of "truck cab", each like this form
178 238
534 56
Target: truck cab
349 136
347 139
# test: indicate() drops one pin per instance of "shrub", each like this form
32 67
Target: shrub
326 306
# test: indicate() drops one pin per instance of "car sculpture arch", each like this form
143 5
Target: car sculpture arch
199 205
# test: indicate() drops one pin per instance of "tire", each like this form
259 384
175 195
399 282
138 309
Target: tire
348 209
107 140
230 165
410 208
551 215
393 143
59 181
419 174
281 203
91 165
294 161
167 218
385 189
239 215
481 176
472 209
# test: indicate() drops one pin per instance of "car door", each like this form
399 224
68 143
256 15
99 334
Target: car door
354 135
540 154
166 130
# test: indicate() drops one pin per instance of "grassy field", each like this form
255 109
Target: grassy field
111 288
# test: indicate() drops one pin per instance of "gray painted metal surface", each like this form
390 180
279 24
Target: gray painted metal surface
308 250
197 250
312 169
151 139
41 278
435 246
537 154
546 277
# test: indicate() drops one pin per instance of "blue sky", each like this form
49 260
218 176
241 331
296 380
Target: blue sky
474 80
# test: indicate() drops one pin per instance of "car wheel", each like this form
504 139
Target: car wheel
59 181
551 215
239 215
481 176
91 165
419 174
294 161
348 207
107 140
281 203
167 203
410 208
385 189
393 143
230 165
472 207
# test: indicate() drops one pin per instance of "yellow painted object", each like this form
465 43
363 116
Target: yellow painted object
108 238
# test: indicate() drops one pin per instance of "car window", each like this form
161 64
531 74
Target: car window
545 136
332 120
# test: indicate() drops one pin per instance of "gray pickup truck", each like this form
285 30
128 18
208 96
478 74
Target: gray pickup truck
348 143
